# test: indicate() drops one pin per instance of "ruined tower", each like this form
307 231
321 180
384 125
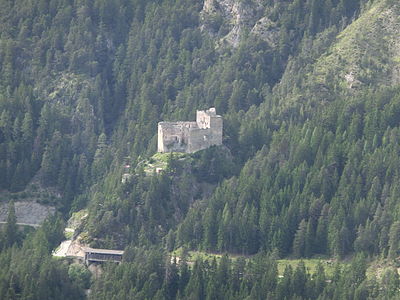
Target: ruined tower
189 137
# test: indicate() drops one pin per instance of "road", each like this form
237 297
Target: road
62 249
24 224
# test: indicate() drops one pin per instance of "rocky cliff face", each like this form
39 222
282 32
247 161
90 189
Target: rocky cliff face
229 20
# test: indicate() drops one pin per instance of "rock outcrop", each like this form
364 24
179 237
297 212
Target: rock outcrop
229 20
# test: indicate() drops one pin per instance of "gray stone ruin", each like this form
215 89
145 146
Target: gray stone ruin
189 137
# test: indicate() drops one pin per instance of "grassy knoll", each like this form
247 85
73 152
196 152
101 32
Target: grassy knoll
160 160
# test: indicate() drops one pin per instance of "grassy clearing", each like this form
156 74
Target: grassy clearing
193 255
160 160
311 264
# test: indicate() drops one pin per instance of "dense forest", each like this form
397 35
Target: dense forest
309 167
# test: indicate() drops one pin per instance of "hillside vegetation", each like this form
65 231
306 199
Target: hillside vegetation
309 94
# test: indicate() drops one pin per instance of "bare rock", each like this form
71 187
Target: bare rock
237 15
267 31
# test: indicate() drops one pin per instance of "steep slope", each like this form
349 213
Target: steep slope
325 180
235 18
313 161
366 53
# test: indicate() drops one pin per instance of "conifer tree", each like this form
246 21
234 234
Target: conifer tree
11 229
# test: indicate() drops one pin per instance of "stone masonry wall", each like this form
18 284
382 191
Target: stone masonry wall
190 137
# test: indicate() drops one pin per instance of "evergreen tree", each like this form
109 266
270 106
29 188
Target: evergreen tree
11 229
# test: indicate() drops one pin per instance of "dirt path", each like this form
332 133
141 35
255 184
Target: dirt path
62 250
24 224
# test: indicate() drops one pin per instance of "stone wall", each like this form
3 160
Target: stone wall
190 137
173 136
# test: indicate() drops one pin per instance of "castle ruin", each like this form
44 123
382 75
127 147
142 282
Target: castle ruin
189 137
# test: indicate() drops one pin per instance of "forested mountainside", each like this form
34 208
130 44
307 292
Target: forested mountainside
309 94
